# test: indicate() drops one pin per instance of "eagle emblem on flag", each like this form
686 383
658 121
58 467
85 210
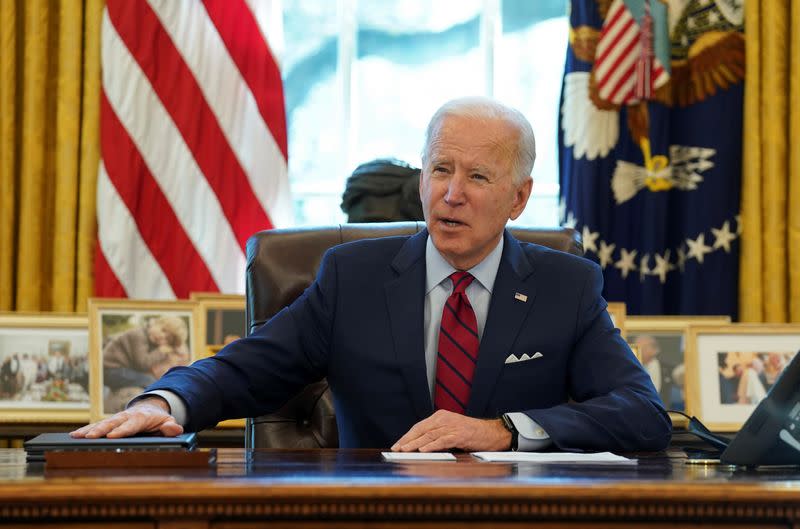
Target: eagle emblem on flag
630 65
650 128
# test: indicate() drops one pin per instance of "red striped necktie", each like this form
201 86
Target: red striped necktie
458 348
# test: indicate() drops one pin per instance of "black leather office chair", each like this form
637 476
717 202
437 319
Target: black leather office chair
281 264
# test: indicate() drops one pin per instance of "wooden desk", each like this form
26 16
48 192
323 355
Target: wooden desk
356 488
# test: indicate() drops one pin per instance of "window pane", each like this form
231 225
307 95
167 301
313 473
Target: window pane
413 55
529 68
309 75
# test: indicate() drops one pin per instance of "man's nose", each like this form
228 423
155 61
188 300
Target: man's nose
455 190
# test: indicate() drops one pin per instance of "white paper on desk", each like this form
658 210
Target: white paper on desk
554 457
418 456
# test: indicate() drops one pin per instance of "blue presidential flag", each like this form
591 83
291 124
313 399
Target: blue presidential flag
650 135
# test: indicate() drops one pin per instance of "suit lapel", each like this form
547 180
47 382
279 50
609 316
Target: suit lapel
503 323
405 297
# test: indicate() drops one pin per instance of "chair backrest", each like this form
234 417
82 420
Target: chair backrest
281 264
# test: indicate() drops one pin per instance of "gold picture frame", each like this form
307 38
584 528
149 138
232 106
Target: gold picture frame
212 349
122 356
220 321
729 369
44 368
211 301
617 311
663 339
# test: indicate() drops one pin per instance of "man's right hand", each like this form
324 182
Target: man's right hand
147 415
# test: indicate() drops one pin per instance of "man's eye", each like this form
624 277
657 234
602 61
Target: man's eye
478 176
440 169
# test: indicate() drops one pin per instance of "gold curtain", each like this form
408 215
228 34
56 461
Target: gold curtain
769 282
49 152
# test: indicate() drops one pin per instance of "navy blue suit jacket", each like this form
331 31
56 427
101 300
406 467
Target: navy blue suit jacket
360 324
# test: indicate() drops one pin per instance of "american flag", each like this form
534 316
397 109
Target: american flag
193 144
654 186
625 68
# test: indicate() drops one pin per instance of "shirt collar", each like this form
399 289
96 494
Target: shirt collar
437 269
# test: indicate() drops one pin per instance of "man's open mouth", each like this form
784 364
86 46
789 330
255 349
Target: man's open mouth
451 222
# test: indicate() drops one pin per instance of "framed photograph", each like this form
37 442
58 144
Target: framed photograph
660 344
132 344
221 321
617 312
730 368
44 368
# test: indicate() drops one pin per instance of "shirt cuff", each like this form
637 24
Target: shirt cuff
177 408
532 437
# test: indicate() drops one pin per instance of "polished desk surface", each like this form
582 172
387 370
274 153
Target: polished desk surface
360 485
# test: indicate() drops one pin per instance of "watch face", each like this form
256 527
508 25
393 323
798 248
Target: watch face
509 424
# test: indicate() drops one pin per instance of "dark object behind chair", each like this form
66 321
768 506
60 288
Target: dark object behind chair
281 264
383 190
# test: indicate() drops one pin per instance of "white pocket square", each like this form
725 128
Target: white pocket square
512 358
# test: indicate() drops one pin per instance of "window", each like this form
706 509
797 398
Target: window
362 78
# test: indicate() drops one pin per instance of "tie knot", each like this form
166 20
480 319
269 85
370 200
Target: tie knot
461 280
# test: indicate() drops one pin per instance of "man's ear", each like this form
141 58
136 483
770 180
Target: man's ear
522 194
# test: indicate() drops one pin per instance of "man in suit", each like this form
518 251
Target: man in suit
459 337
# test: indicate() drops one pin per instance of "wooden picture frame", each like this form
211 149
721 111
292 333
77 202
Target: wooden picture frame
220 321
729 369
215 301
124 359
617 311
44 368
217 314
663 340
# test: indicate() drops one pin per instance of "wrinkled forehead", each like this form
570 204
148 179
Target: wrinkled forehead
471 135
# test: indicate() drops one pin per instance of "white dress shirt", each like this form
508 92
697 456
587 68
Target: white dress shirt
438 288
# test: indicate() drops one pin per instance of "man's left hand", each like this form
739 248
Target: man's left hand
445 430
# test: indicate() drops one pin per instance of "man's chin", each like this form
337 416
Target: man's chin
451 247
449 239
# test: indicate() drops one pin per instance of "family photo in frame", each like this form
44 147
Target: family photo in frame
221 320
730 369
660 345
44 368
133 343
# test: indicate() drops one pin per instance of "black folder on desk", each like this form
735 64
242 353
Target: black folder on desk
36 447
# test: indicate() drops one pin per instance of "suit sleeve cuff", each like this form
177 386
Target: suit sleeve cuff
177 408
532 437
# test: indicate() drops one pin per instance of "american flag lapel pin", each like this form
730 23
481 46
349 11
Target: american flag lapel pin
521 297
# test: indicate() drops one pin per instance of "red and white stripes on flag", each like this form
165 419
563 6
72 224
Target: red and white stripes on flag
624 68
193 144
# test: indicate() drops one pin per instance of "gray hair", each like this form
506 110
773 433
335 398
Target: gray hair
484 108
